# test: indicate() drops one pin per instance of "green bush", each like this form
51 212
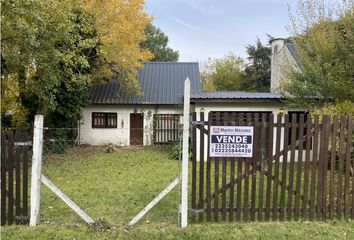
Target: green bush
58 140
345 107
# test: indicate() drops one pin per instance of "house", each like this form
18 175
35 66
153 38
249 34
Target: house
113 117
240 102
284 55
153 117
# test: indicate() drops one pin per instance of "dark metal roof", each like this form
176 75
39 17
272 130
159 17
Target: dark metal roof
160 82
232 96
293 52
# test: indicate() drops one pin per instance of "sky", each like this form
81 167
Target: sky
202 29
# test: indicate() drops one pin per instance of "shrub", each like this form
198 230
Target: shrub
176 151
345 107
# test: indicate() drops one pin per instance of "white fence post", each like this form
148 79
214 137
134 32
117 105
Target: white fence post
185 155
36 169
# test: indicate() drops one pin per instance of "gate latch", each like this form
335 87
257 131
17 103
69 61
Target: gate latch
199 123
196 210
22 219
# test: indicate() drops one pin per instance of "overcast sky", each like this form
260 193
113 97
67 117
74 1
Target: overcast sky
200 29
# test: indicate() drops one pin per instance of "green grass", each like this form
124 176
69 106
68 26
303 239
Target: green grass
113 187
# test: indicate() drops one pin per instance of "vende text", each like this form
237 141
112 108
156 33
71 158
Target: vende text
231 139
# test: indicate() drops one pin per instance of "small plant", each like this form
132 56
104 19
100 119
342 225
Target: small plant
176 150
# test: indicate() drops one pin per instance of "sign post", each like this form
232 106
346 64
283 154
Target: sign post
184 181
36 169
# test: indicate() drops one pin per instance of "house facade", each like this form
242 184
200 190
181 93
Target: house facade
152 117
239 102
283 57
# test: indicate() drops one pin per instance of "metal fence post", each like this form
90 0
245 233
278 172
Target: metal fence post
36 169
185 155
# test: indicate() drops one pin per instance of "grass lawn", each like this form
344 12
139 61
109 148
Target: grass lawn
113 187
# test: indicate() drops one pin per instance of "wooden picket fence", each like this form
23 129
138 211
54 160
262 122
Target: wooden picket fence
301 168
15 150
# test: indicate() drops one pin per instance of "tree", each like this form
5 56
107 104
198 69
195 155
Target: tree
324 37
53 50
225 74
120 26
257 71
82 49
156 42
29 59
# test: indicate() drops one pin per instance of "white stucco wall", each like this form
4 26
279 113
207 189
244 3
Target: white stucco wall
120 135
238 107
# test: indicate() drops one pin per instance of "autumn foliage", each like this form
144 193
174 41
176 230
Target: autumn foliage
52 51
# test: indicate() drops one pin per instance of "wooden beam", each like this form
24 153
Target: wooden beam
67 200
154 202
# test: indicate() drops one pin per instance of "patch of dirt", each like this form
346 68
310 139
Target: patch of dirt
101 225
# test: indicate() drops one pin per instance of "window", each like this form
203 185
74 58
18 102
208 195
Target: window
167 128
104 120
237 116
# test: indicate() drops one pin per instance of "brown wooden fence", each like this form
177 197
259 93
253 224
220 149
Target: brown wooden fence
301 168
15 152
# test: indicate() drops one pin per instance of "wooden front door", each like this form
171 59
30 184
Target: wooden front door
136 128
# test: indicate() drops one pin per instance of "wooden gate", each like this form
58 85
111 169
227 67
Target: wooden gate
15 150
301 168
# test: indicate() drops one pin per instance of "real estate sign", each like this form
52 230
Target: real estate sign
231 141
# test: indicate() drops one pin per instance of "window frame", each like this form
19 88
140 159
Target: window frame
107 120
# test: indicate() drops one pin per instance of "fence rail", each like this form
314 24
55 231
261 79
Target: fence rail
301 168
15 150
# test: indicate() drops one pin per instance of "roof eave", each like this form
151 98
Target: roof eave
239 100
145 103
